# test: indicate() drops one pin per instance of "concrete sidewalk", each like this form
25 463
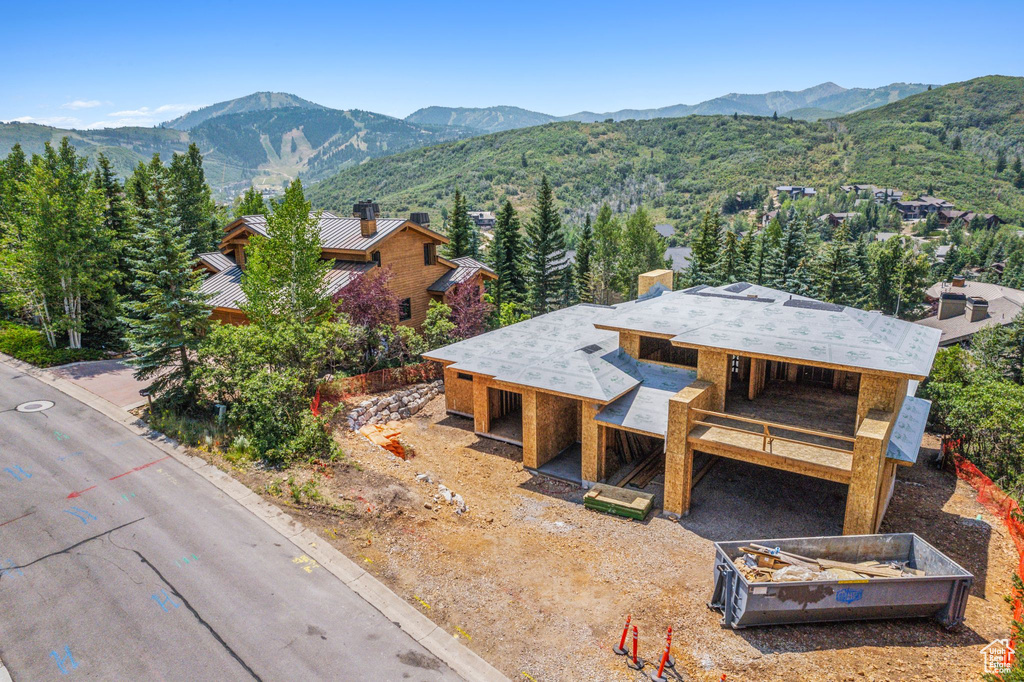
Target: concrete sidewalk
111 380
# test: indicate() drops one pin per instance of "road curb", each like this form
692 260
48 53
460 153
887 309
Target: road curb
428 634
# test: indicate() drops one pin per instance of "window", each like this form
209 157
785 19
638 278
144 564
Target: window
375 257
464 377
405 309
430 254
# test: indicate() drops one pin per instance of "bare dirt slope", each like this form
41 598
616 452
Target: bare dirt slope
540 586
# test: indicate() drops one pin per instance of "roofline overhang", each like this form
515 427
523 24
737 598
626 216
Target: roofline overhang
519 388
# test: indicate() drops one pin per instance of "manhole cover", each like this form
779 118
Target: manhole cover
35 406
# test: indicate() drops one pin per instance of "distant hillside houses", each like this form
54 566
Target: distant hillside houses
484 220
796 191
881 195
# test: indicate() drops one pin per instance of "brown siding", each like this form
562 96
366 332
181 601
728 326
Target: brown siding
409 276
228 316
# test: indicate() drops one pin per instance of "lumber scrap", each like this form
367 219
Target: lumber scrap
609 499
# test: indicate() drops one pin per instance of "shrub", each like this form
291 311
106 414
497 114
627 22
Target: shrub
29 345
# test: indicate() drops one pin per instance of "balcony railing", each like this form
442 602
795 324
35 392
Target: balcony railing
769 431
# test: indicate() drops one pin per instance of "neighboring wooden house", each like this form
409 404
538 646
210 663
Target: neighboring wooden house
484 220
880 195
836 219
948 216
922 207
357 245
667 383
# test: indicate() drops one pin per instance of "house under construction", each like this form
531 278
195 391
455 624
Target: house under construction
739 371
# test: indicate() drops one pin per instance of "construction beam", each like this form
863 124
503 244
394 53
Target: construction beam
678 451
866 474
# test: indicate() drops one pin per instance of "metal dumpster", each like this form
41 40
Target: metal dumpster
941 593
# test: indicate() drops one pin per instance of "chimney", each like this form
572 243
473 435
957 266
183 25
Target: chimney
977 308
959 282
648 279
366 211
951 305
421 219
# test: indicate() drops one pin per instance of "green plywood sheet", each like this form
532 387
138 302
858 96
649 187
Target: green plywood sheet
619 501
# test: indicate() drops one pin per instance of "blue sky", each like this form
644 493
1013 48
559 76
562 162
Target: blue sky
78 64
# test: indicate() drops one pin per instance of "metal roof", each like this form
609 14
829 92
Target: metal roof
342 233
225 288
217 260
466 270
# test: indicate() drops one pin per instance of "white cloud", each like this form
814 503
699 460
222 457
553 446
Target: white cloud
143 116
58 121
81 104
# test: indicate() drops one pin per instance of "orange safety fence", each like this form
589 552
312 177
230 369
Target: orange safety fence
998 503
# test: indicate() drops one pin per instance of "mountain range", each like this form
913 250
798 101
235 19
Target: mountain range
269 138
945 141
821 101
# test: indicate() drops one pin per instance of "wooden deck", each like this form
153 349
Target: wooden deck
779 446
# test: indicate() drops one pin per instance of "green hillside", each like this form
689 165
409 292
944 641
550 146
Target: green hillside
678 166
808 104
267 146
258 101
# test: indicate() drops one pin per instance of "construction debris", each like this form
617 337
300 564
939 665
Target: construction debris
759 564
445 493
619 501
386 436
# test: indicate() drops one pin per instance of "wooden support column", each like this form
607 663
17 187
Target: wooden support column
756 384
679 453
630 343
530 428
713 367
880 392
866 475
481 405
594 445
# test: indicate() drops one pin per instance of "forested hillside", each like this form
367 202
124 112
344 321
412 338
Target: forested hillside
948 140
268 146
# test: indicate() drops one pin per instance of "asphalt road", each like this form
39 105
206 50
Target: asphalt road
152 573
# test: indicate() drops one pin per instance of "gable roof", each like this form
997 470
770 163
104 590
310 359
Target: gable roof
341 234
1004 304
466 269
225 288
216 261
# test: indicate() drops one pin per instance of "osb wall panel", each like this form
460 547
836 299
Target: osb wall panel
713 367
678 454
630 343
403 253
880 392
649 279
866 474
458 393
593 445
550 424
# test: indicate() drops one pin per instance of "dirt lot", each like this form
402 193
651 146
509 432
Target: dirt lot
540 587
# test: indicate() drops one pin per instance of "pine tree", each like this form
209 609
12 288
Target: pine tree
957 144
747 249
706 247
251 204
1017 167
642 251
787 257
584 253
284 273
116 214
506 258
460 228
545 252
193 201
1000 161
730 267
775 116
835 273
170 316
604 265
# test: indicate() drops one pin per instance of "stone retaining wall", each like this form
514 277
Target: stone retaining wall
394 406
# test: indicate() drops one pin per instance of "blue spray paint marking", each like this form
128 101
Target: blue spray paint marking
166 599
7 567
848 595
76 453
61 436
17 473
65 663
80 514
